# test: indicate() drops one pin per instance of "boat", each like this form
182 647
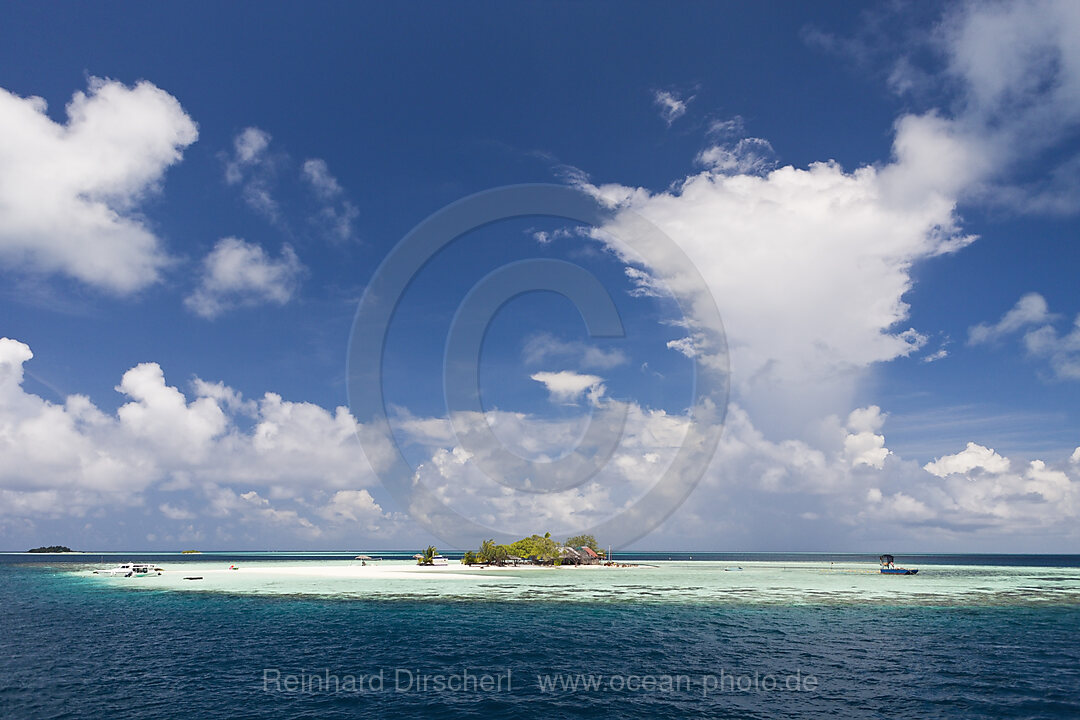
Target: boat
438 560
131 570
888 567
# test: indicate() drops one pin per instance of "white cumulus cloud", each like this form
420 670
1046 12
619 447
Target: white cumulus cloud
863 446
808 267
271 461
70 193
974 457
239 273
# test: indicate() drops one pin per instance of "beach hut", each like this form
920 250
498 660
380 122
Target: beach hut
589 556
569 554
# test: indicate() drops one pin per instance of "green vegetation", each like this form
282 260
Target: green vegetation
492 554
428 557
541 549
51 549
584 541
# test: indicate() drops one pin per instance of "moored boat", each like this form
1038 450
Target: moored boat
131 570
888 567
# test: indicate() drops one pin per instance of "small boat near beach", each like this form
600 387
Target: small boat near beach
888 567
131 570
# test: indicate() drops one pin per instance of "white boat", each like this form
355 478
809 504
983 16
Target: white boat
438 560
131 570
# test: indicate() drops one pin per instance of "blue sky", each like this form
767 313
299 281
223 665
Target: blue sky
881 203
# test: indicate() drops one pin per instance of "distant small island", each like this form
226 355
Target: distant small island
51 549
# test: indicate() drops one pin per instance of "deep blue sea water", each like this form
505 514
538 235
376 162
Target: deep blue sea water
71 647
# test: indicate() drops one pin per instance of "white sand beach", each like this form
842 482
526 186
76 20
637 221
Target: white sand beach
662 581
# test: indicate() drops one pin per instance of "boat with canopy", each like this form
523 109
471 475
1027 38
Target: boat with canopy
888 567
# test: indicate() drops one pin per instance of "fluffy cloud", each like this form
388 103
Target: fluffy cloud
1018 71
253 508
1060 350
815 491
47 447
70 193
273 461
354 506
568 386
648 443
807 266
980 487
845 487
1031 309
863 446
1018 58
1011 73
238 273
974 458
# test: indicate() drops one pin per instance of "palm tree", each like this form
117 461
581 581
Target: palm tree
488 551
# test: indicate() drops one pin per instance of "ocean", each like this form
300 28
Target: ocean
311 636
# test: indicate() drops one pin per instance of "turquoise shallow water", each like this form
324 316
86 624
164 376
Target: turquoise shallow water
963 640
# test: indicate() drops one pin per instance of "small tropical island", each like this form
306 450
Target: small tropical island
51 549
532 550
